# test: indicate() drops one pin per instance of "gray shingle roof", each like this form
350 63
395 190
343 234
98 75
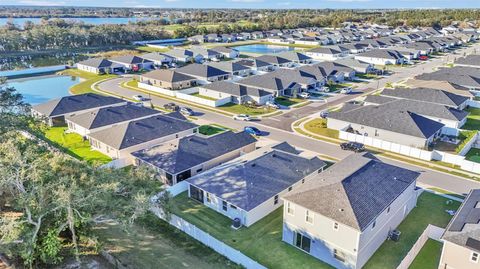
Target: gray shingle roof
279 80
428 109
379 99
74 103
185 153
168 75
129 59
391 119
137 132
156 56
326 50
354 191
473 60
111 115
96 62
235 89
229 66
273 59
294 56
427 95
201 70
381 53
464 228
464 76
248 184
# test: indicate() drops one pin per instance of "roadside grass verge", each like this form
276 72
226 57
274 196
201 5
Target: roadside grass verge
210 130
285 101
319 126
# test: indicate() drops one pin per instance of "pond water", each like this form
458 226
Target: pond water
36 90
21 21
263 48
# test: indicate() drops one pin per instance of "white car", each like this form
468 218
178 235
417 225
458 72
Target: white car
138 97
304 95
324 89
346 90
243 117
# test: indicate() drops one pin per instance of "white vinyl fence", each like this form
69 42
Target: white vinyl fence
210 241
473 103
186 95
431 232
419 153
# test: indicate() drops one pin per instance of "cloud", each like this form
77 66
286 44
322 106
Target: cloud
42 3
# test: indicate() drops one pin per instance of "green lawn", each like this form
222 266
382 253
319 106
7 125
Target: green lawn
473 120
429 256
284 101
430 210
74 145
241 109
210 130
203 96
88 79
262 241
151 49
152 243
319 126
473 155
367 76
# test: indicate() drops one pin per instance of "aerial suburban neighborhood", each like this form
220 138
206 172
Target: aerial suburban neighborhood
240 134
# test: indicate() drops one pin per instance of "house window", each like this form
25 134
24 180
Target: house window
275 199
388 210
208 198
302 242
290 188
199 170
233 207
308 216
176 136
373 224
290 209
474 257
303 181
224 205
335 226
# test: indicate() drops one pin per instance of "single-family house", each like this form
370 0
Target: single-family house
429 95
102 118
250 187
183 55
54 111
98 66
389 124
204 73
158 59
358 66
257 65
122 139
275 60
344 214
468 77
227 52
233 68
295 57
182 158
381 57
168 79
472 60
461 239
238 93
327 53
206 54
132 62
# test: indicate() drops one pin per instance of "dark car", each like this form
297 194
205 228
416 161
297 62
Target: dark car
171 106
353 146
252 130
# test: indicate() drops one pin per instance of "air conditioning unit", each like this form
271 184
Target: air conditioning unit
395 235
236 223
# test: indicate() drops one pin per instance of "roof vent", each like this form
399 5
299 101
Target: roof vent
253 164
341 209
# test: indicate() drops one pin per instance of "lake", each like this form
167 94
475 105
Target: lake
262 48
36 90
21 21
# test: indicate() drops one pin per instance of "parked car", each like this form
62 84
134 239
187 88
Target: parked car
423 58
324 114
324 89
252 130
353 146
346 90
272 105
171 106
304 95
138 97
187 111
243 117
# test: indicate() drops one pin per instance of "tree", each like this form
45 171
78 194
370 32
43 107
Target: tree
14 112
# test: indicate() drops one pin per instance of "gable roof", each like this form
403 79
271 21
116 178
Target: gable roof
167 75
182 154
156 56
464 228
354 191
201 70
137 132
465 76
129 59
473 59
235 89
294 56
111 115
250 180
387 118
74 103
427 95
96 62
229 66
381 53
273 59
278 80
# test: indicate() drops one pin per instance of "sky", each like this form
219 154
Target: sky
280 4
